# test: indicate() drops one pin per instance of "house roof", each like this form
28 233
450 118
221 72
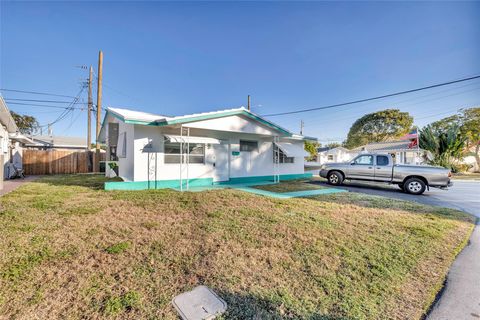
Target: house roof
17 136
6 118
385 146
145 118
58 142
328 149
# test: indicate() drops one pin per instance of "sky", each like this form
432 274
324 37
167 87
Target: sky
178 58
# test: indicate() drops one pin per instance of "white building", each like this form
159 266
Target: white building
228 146
11 141
400 150
51 142
338 154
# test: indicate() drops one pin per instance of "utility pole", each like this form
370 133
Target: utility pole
99 110
89 124
248 103
301 127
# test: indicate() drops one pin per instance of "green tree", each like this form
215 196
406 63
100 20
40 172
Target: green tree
332 145
26 124
446 145
470 128
379 126
311 147
468 122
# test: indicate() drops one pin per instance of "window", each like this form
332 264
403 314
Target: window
365 160
172 153
248 146
282 157
382 161
330 157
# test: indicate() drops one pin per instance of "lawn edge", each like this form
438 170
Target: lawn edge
437 293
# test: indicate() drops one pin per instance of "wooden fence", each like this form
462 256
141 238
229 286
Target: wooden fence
58 161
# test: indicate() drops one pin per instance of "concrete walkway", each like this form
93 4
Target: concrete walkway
247 187
10 185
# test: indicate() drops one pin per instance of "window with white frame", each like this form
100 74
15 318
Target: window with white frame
196 153
282 157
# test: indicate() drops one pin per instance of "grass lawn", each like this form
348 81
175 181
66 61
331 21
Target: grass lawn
71 250
290 186
467 176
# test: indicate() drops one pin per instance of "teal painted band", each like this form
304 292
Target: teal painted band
159 184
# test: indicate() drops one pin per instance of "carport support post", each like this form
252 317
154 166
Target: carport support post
276 160
188 153
181 156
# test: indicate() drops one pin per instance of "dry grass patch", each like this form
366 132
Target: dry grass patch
290 186
344 256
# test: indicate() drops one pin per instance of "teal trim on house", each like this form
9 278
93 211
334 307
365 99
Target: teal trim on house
201 182
158 184
200 118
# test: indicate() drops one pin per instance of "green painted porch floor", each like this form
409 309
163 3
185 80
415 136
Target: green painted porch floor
247 188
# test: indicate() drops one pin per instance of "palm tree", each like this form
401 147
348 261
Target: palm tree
446 145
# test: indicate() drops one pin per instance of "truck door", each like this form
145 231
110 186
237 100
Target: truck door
383 168
361 168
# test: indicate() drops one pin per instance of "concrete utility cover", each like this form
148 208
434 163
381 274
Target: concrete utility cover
199 304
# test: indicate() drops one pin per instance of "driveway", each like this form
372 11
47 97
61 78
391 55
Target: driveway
461 296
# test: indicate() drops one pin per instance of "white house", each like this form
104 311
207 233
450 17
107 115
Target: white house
337 154
227 146
11 141
400 150
51 142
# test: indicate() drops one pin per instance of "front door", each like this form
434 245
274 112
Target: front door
220 162
361 168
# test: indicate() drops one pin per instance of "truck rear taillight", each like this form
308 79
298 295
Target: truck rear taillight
449 174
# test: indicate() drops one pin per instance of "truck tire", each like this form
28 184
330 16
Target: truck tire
415 186
335 178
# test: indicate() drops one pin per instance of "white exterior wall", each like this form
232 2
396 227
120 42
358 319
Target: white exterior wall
4 150
338 156
145 151
125 164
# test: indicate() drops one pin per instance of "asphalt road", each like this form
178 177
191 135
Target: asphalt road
461 296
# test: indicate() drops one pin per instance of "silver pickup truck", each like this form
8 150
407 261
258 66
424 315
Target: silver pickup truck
412 179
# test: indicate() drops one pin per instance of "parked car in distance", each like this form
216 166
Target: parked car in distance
414 179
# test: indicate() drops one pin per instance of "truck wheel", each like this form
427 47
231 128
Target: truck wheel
414 186
335 178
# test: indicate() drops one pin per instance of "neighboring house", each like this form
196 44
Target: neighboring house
51 142
400 150
227 146
337 154
470 160
11 141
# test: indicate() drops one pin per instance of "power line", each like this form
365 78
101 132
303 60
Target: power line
35 100
373 98
395 105
41 105
39 93
67 110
